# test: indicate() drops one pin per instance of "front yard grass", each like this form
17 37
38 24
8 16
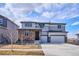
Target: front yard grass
10 50
15 52
16 46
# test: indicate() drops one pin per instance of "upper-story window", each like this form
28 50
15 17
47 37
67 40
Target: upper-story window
59 26
41 25
28 24
1 21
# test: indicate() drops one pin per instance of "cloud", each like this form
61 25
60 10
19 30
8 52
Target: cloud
5 13
2 5
43 12
55 11
48 14
75 23
71 35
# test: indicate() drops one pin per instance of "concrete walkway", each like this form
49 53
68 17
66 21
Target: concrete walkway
60 49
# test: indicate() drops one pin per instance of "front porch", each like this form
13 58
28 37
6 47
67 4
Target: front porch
28 36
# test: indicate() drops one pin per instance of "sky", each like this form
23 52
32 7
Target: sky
44 12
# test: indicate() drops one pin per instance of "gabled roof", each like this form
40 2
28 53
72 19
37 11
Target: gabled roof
9 20
77 34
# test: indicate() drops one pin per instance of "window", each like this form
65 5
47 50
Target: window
28 24
41 25
5 22
26 33
1 21
59 26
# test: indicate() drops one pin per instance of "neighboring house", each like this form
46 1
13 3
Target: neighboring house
71 40
8 31
77 36
77 41
41 32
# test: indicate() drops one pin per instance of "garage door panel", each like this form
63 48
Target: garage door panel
43 39
57 39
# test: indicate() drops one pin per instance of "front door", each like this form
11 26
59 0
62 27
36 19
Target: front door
37 35
48 40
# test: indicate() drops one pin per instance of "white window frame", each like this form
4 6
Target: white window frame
59 26
28 24
26 32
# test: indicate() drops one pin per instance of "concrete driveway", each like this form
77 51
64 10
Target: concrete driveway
60 49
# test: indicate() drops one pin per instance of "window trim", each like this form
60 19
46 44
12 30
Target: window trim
59 26
26 32
28 24
1 21
41 25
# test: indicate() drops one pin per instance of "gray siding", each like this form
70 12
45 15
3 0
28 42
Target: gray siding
77 36
8 30
12 29
47 27
55 28
5 33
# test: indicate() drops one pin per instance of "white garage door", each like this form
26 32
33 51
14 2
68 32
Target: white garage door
57 39
43 39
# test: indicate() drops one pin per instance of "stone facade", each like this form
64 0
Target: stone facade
23 36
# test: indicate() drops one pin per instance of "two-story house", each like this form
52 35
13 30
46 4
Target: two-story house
42 32
8 31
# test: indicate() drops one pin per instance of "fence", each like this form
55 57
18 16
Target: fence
73 41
